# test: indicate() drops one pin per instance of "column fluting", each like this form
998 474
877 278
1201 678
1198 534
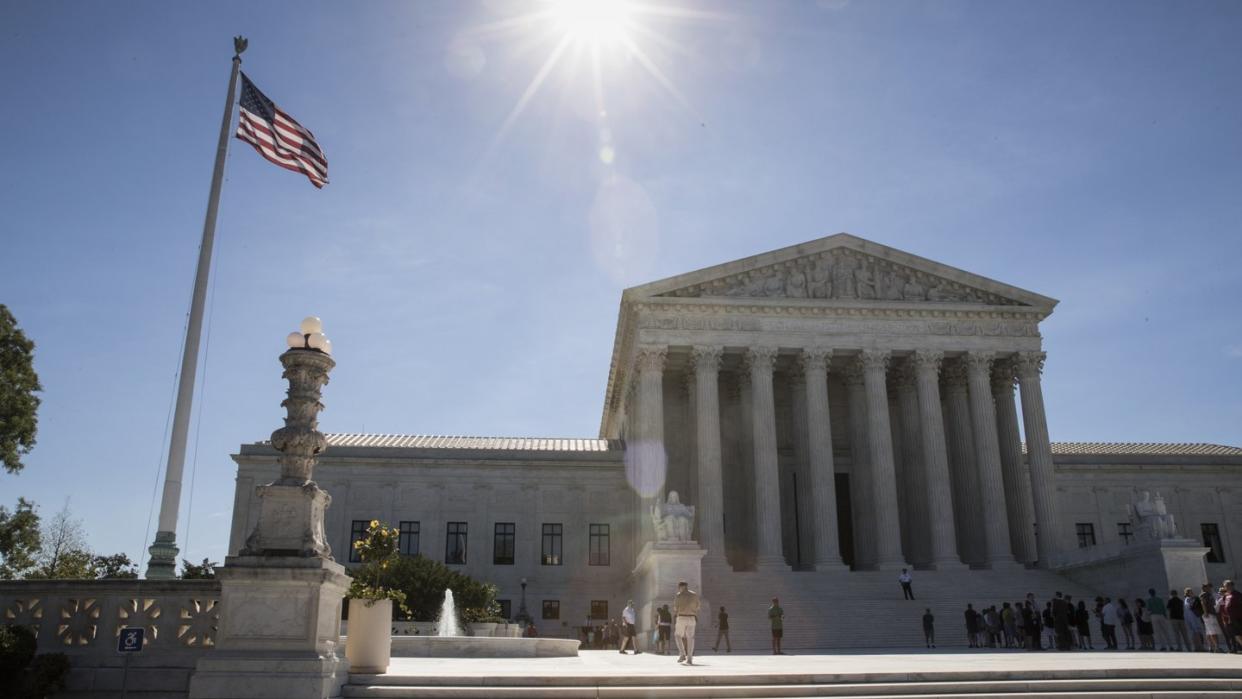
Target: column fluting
760 361
648 468
942 539
987 460
860 467
1039 456
962 464
826 549
884 487
914 483
1017 485
710 475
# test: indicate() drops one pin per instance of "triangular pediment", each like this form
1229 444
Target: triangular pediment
842 268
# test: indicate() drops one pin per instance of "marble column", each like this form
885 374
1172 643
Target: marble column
1013 470
914 482
962 464
942 536
860 467
880 444
648 467
710 478
760 361
1039 456
988 461
826 554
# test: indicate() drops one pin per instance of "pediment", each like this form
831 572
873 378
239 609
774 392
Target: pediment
842 268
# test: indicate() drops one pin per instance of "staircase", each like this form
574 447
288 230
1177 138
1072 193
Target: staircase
865 609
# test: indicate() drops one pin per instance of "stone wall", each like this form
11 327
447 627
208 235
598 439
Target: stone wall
83 618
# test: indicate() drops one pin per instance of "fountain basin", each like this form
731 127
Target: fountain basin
482 647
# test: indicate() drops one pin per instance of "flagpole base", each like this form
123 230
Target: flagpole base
163 563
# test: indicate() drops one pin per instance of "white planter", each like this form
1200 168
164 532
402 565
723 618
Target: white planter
369 643
485 629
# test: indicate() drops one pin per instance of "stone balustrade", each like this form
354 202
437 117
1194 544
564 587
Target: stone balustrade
83 618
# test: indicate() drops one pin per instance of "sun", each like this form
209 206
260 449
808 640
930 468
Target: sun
592 22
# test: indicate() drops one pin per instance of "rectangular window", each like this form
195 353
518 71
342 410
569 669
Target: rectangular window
357 532
506 608
1211 539
551 545
407 543
455 543
551 609
599 609
600 553
1086 534
1123 531
502 544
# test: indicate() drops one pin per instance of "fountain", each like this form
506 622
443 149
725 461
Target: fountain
449 641
447 625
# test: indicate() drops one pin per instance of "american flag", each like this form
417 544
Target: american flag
278 137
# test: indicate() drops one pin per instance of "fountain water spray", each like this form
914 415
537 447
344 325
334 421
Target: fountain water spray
447 623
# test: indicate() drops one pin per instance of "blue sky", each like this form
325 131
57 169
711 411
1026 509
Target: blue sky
469 275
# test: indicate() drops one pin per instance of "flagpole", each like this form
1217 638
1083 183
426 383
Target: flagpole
163 562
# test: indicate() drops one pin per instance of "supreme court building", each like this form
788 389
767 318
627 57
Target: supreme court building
834 411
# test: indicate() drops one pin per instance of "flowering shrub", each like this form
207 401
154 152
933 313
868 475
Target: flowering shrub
377 549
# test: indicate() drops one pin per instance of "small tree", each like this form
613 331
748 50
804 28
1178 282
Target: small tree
377 549
114 567
204 571
424 581
19 540
64 553
19 406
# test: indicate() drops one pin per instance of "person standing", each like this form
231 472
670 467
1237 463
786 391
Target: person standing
906 581
1231 614
1061 621
664 626
1162 632
1108 624
1007 622
1177 620
686 607
629 617
929 628
776 616
722 630
972 626
1194 618
1142 621
1212 630
1126 619
1082 619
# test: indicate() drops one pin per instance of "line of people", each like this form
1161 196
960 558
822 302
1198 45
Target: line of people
1208 620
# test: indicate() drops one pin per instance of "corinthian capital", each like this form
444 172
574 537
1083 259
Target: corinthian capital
650 358
761 358
904 373
875 359
928 360
814 358
979 362
706 357
852 373
1004 373
954 373
1030 364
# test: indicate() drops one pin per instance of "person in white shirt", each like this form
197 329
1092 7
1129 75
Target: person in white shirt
905 581
629 617
1108 623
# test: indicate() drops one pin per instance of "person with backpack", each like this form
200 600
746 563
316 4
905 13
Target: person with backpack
1125 619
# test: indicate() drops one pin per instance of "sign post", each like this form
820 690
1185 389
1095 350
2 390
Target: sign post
129 641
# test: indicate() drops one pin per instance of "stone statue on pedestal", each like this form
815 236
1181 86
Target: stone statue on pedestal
1151 518
674 522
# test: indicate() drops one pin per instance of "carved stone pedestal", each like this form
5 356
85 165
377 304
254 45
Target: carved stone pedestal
1128 571
660 567
290 522
279 632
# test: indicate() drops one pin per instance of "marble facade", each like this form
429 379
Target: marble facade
832 406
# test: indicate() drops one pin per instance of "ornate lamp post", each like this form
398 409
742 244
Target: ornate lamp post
522 615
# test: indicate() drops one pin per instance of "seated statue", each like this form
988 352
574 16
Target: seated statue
1152 519
673 521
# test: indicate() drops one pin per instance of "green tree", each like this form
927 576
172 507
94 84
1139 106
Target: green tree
424 581
114 567
204 571
64 554
19 406
19 539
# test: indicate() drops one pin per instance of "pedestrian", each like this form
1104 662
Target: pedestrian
1030 625
1082 619
972 626
1125 619
686 606
929 628
1009 624
1177 620
1211 621
1194 618
664 626
722 630
1163 631
1061 621
1142 622
1050 635
629 617
1108 624
776 616
1231 612
905 581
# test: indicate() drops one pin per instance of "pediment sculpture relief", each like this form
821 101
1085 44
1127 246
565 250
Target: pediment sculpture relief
843 274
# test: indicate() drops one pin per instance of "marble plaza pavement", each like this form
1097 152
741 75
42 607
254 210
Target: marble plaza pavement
901 673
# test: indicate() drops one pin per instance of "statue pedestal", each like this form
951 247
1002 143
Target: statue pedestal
1128 571
660 567
290 521
280 620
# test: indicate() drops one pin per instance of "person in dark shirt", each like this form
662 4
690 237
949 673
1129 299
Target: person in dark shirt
929 628
1177 619
972 626
722 630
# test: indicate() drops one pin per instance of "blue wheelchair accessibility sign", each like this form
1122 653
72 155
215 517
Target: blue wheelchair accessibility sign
130 640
